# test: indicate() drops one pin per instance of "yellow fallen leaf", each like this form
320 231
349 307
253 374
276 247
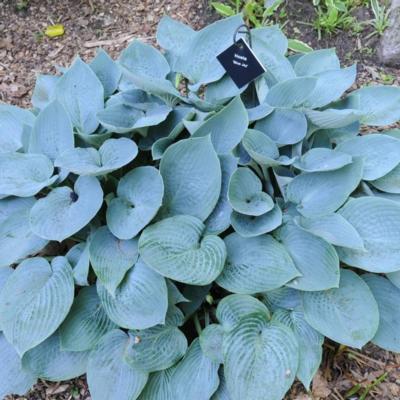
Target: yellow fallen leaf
54 30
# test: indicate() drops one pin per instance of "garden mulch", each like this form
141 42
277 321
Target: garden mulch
111 24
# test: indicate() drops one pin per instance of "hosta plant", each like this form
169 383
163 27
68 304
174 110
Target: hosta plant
175 237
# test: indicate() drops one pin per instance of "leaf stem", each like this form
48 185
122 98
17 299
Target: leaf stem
197 324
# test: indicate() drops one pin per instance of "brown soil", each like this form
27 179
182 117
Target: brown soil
111 24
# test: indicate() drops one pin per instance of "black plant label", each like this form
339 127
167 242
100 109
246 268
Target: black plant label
240 63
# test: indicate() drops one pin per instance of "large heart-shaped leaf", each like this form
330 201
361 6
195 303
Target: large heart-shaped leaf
332 118
310 343
316 259
113 154
390 182
377 221
44 90
196 376
222 392
388 298
16 238
158 386
255 265
140 193
260 359
49 361
140 301
48 292
192 178
111 257
13 378
82 95
319 193
52 132
107 71
156 348
284 297
109 376
211 340
320 159
334 229
24 175
226 127
245 193
250 226
379 104
219 220
347 314
86 323
231 309
64 211
381 153
11 131
317 61
284 126
176 248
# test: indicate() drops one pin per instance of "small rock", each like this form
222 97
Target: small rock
389 47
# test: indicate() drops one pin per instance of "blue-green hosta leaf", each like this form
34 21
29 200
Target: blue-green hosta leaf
222 91
195 296
202 66
140 301
316 259
334 229
173 36
64 211
332 118
381 153
11 131
389 183
271 37
78 257
310 343
107 71
139 196
245 193
48 292
113 154
176 248
348 314
260 359
109 376
211 339
260 147
291 93
338 135
44 90
380 105
319 193
377 221
52 133
82 95
317 61
219 220
284 126
174 295
231 309
86 322
270 54
49 361
227 127
111 257
320 159
192 178
259 112
156 348
255 265
284 297
25 116
13 378
250 226
196 376
387 296
158 386
394 277
17 240
24 175
123 118
330 86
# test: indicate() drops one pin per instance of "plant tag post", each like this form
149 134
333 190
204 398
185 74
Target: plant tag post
240 62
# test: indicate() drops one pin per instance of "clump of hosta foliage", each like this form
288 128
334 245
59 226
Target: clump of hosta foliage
174 237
